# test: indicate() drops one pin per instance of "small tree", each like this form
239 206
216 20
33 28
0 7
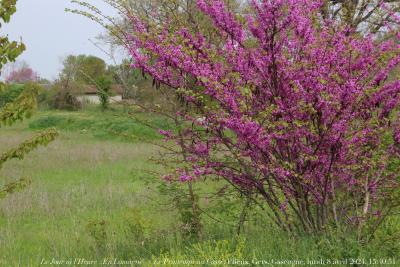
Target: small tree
21 107
103 85
291 107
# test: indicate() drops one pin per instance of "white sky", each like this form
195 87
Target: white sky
51 34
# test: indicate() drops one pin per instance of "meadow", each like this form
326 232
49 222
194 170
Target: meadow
279 145
94 200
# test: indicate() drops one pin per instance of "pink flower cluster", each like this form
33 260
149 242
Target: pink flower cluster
301 107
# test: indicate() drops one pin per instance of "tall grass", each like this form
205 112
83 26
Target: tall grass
93 199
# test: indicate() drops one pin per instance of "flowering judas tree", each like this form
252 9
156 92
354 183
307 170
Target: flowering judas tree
22 75
292 109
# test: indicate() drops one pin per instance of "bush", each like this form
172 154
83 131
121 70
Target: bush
43 98
63 98
290 108
11 92
67 101
103 85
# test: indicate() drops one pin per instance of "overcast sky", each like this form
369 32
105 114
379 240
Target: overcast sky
51 34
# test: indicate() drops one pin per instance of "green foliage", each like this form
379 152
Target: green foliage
136 225
17 104
43 98
51 121
20 108
14 187
83 69
10 93
189 218
9 51
103 85
65 100
97 231
62 95
123 74
7 8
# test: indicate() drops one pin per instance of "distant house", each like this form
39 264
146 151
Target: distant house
88 94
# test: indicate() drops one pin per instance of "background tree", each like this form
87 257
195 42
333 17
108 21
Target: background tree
78 72
83 69
177 13
364 15
129 78
22 74
21 107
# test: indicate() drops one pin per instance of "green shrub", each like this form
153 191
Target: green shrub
136 227
63 97
66 101
103 84
11 92
97 230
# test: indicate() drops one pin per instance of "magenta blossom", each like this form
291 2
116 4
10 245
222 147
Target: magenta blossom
293 107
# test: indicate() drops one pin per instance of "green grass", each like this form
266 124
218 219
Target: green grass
77 179
92 197
103 125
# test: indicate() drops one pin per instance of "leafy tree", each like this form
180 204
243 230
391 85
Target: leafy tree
291 109
78 71
178 14
21 107
83 69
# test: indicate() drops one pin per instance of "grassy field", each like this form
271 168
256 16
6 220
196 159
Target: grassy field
78 181
93 202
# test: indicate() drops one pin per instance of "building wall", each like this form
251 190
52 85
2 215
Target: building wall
95 99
